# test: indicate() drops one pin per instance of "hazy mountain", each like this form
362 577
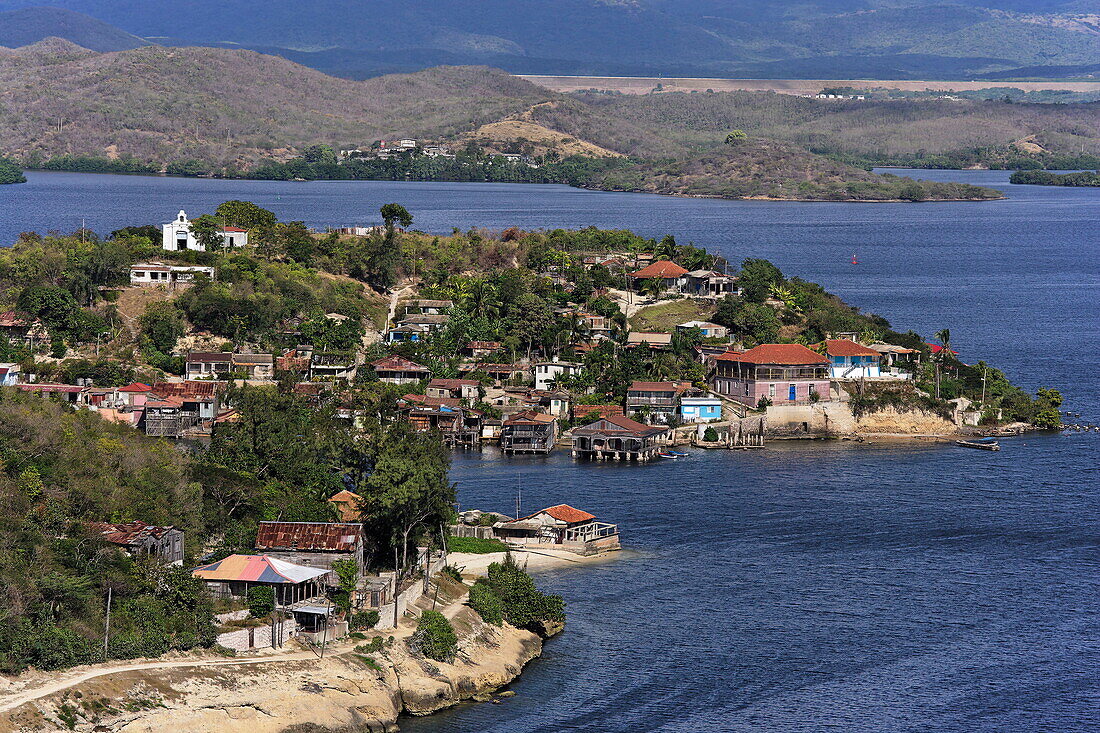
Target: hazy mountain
875 38
29 25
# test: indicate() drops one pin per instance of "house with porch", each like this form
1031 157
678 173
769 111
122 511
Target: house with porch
560 527
139 539
146 274
232 576
787 374
658 402
481 349
529 431
462 389
459 427
331 366
619 438
426 307
671 276
177 236
897 361
255 366
396 369
710 284
208 365
850 360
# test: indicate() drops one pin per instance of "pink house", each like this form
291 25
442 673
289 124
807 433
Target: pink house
787 374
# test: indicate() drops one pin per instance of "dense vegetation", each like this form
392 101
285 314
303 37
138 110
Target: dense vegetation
10 172
62 468
509 594
1046 178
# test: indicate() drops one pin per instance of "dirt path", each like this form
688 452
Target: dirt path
394 297
30 695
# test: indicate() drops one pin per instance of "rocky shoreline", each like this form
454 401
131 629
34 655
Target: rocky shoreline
344 692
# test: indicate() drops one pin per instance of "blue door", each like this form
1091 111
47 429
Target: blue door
792 393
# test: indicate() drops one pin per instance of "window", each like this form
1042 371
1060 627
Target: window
771 390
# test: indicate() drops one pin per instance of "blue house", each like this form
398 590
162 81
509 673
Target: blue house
700 409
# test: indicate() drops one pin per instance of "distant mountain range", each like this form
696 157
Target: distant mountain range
738 38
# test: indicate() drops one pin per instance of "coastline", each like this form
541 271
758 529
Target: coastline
276 691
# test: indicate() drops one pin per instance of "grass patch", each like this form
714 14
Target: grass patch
665 317
475 545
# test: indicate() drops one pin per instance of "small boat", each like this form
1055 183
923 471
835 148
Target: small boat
980 444
676 453
670 456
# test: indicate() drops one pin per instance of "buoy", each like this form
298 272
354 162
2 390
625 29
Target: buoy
854 260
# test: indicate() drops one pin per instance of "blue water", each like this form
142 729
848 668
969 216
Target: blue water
807 587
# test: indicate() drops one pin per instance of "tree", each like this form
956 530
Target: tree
10 172
332 334
944 337
394 214
246 215
757 278
261 601
208 232
666 248
347 571
407 489
735 137
434 637
320 154
162 323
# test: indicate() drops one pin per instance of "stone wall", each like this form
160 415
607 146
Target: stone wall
256 637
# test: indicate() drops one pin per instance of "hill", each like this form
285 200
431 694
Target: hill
164 104
873 130
860 38
30 25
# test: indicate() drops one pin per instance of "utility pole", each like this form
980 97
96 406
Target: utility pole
983 384
107 626
395 586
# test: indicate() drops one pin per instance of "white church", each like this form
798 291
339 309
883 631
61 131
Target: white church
178 236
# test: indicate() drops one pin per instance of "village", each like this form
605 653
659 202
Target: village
601 345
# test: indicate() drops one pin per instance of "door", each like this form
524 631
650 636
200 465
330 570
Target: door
792 392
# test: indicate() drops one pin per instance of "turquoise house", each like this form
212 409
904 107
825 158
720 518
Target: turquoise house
700 409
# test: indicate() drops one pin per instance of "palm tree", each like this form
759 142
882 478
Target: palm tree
944 337
481 299
666 248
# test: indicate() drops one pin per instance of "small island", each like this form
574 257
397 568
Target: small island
1046 178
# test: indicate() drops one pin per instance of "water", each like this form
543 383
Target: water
807 587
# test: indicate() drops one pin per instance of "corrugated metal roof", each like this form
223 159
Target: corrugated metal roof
324 536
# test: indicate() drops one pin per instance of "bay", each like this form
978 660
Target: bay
810 586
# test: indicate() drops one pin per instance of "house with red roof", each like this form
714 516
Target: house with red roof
786 374
231 577
851 360
672 276
561 527
462 389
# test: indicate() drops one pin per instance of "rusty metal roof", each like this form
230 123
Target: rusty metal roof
327 536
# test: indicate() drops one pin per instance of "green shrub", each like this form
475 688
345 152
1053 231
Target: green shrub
523 605
710 435
435 637
261 601
364 620
475 545
486 602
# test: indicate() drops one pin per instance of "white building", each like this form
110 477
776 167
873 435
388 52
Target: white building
547 372
158 273
178 236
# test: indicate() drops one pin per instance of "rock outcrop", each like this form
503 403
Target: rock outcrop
348 690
